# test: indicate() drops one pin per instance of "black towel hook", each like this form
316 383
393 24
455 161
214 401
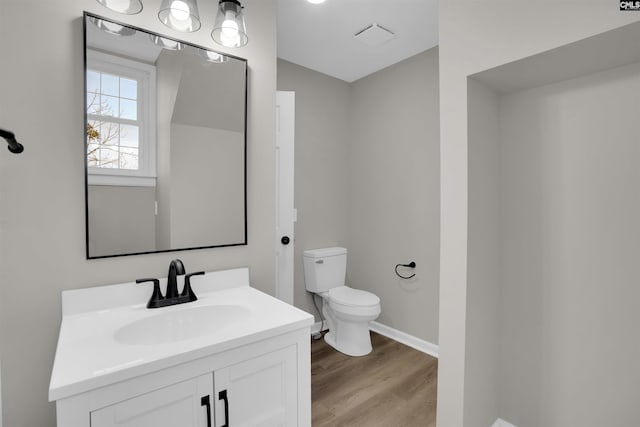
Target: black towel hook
410 265
14 146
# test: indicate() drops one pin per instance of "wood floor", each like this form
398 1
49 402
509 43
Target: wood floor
394 386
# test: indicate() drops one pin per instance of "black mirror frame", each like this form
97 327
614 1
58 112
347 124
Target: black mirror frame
85 17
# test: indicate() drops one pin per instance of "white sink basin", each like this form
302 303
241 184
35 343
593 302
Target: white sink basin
179 325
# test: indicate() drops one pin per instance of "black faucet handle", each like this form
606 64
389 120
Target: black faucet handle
186 290
156 297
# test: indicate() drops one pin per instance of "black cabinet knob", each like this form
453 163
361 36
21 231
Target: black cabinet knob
285 240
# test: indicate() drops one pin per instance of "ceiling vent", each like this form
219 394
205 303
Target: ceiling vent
374 35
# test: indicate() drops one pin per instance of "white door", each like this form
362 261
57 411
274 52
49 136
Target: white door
260 392
285 212
185 404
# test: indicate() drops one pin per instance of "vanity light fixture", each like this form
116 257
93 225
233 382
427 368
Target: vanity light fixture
129 7
229 29
180 15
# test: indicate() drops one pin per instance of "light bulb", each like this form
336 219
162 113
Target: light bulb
118 5
180 15
180 10
229 26
130 7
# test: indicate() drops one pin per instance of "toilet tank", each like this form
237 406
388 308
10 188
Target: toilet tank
324 269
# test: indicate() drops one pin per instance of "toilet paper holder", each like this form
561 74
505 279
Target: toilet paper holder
410 265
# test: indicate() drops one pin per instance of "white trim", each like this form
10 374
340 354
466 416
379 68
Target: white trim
401 337
404 338
121 181
284 164
502 423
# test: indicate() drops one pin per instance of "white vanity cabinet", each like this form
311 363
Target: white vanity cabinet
260 391
175 405
254 372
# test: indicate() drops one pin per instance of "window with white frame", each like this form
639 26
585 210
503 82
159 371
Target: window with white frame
120 144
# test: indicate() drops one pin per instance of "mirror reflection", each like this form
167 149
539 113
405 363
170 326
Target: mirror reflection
165 143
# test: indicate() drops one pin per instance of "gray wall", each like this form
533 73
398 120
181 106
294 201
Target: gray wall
207 186
367 179
122 219
394 190
321 164
476 36
570 183
42 234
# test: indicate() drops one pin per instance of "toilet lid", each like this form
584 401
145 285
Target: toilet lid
353 297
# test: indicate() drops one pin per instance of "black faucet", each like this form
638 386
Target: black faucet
172 297
175 268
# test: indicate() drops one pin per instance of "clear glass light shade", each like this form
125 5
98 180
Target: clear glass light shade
229 29
215 57
166 43
129 7
112 28
180 15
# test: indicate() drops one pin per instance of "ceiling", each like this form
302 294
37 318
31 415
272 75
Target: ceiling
321 36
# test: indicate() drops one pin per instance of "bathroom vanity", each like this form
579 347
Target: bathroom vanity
235 357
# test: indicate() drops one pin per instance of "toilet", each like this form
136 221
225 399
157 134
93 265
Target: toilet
347 311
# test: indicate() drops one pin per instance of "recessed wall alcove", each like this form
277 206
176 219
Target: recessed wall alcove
554 237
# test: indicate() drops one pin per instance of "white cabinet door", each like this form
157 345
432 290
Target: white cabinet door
182 404
260 392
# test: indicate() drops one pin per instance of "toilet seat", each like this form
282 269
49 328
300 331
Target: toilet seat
354 304
347 296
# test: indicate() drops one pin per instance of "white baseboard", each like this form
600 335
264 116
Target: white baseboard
406 339
401 337
502 423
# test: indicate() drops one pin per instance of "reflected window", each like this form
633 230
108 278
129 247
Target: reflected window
120 119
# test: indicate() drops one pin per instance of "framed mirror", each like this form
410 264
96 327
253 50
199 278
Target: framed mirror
165 143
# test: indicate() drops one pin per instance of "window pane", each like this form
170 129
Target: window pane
109 133
128 158
128 109
93 81
92 154
109 157
110 85
128 88
93 103
114 132
129 136
109 106
93 132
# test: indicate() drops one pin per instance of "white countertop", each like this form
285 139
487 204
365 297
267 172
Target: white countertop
88 355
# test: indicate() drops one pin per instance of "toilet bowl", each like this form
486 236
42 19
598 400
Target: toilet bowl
347 311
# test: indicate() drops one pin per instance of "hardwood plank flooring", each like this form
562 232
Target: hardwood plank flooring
394 386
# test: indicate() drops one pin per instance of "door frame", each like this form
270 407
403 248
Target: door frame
286 214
